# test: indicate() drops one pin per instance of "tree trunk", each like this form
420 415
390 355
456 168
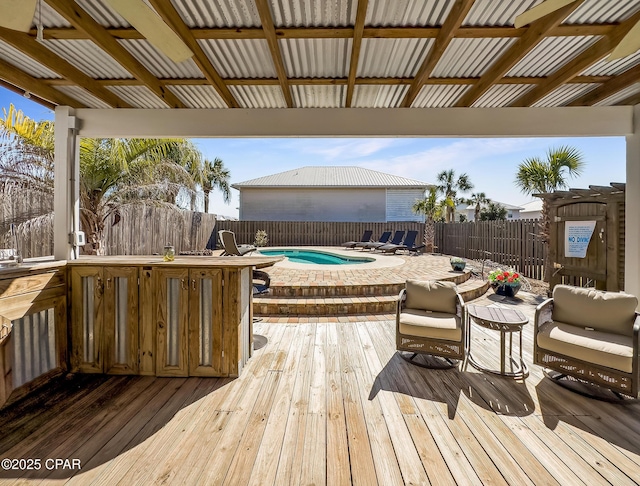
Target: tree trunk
545 226
429 235
206 200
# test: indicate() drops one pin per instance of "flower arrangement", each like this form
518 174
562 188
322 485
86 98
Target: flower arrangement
505 277
261 238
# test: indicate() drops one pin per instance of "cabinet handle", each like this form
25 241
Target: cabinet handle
185 284
99 285
193 284
109 283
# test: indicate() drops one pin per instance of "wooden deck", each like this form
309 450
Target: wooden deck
326 403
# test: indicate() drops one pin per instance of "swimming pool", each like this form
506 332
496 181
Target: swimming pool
317 257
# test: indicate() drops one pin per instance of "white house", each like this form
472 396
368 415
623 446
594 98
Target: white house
353 194
513 212
532 209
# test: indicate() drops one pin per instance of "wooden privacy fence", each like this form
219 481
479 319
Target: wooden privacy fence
312 233
516 244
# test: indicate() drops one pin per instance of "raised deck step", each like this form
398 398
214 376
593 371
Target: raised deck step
345 304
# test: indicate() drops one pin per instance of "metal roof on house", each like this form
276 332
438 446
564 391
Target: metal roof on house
509 207
340 176
343 53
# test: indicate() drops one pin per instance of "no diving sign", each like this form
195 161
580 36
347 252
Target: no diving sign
577 235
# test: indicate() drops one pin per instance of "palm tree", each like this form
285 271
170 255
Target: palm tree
113 172
432 210
478 199
538 176
449 187
493 212
216 176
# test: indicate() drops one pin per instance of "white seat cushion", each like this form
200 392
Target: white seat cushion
433 325
597 347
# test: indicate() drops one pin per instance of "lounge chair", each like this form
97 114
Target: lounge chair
366 236
370 245
396 240
230 246
407 244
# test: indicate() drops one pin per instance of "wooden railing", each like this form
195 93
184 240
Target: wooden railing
516 244
311 233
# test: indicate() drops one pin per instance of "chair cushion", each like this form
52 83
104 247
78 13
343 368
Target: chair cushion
434 325
602 348
433 295
603 311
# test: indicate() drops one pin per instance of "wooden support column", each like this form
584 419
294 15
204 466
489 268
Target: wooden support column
632 210
66 200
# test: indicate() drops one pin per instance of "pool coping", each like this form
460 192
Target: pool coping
382 260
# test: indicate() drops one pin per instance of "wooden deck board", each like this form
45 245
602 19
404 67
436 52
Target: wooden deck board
326 403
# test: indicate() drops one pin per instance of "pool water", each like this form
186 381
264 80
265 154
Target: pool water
317 257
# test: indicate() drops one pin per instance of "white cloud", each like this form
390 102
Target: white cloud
344 149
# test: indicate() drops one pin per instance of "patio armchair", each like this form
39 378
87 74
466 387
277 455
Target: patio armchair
370 245
230 246
430 322
407 244
366 236
590 336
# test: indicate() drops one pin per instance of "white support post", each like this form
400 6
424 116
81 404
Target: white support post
66 201
632 210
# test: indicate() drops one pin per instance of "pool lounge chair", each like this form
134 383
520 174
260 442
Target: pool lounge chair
366 236
408 244
370 245
396 240
230 246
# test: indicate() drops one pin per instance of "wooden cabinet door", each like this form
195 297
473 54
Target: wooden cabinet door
172 320
120 343
86 319
205 322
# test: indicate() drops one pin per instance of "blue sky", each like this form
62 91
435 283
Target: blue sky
490 163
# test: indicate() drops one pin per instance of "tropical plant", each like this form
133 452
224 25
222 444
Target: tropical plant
433 210
538 176
113 172
493 212
449 187
478 199
505 277
216 176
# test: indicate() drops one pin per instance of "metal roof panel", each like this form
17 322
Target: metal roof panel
620 95
439 95
312 13
376 96
198 96
382 58
410 13
332 176
305 96
259 96
491 13
237 58
89 58
602 12
103 13
467 58
565 94
13 56
316 58
158 63
138 96
550 54
500 95
83 96
612 68
221 13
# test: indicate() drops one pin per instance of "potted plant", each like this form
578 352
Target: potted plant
505 282
457 264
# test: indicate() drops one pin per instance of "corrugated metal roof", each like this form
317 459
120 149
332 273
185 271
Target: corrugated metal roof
138 96
198 96
591 12
89 58
550 54
565 94
492 13
612 68
249 58
312 13
413 13
439 95
392 57
510 207
467 58
316 58
370 96
158 63
332 176
103 13
620 95
223 13
501 95
259 96
13 56
83 96
50 18
318 96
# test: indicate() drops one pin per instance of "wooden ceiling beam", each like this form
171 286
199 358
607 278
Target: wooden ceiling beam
272 40
341 32
536 32
33 97
631 100
26 82
618 83
171 16
35 50
451 25
361 15
81 20
577 65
